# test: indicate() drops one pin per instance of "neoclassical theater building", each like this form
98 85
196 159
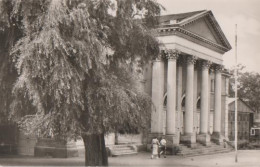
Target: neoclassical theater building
187 81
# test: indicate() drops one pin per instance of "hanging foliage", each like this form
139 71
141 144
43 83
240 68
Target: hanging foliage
78 62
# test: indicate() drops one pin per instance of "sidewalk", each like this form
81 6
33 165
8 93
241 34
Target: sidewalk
246 158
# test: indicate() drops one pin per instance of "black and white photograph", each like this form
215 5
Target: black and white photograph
130 83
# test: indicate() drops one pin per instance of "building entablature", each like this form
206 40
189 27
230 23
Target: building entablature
187 47
181 32
194 33
173 54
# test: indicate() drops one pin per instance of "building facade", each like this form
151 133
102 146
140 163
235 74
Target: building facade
255 129
187 81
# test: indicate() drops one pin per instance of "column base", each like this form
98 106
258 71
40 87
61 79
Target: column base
217 138
189 140
172 140
204 139
172 143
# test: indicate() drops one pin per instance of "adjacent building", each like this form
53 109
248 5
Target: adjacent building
255 129
244 120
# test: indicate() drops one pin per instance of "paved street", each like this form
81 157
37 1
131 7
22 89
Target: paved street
248 158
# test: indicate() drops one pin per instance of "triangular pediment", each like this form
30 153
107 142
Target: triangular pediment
199 26
205 25
203 28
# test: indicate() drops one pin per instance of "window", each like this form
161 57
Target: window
212 89
165 101
183 102
252 133
198 104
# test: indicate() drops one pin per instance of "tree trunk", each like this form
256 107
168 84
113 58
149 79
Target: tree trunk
95 150
116 136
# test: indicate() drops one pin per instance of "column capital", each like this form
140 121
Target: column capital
205 64
160 56
218 68
172 54
191 59
211 69
180 61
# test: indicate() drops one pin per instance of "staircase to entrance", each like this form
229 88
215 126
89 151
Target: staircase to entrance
200 149
122 150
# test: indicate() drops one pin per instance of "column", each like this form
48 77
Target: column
171 97
179 94
226 108
189 138
157 95
171 92
195 97
203 137
204 98
216 136
188 127
210 99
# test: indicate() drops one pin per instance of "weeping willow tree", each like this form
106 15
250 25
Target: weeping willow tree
9 34
78 63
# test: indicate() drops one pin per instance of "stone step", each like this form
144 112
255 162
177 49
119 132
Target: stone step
202 150
124 154
204 153
202 147
199 146
122 150
125 151
120 146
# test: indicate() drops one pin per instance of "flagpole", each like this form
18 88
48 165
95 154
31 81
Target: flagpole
236 94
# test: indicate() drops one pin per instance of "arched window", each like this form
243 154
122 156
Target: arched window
212 83
198 103
165 101
183 102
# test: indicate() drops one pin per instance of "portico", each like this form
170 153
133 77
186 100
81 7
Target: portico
187 79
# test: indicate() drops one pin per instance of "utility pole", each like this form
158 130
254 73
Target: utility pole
236 94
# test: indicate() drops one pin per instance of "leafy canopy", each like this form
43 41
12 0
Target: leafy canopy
248 87
78 62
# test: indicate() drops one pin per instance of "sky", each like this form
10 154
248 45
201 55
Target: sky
228 13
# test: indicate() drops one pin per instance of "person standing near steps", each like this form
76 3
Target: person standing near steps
155 147
163 147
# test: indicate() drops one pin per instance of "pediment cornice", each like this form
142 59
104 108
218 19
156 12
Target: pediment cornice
178 28
179 31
